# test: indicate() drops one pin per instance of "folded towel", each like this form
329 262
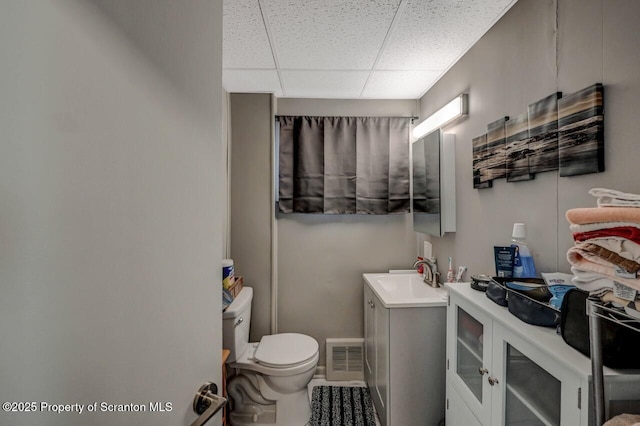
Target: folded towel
584 215
598 254
618 302
597 285
624 420
590 281
576 259
611 197
620 246
628 232
587 227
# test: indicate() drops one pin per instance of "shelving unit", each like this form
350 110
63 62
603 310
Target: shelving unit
597 311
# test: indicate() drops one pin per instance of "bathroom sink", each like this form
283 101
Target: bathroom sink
405 290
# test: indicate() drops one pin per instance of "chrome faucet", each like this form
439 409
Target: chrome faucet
430 273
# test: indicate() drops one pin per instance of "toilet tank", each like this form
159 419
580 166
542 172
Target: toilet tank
236 320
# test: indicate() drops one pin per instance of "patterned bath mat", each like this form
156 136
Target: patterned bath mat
341 406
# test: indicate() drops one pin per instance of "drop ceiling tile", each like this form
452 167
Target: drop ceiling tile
399 84
323 84
245 41
432 35
328 34
251 81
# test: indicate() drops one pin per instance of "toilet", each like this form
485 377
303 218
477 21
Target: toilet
270 384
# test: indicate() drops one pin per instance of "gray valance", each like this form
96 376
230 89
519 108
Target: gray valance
344 165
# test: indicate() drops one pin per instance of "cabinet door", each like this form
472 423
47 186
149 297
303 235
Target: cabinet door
458 414
381 369
469 356
369 329
533 388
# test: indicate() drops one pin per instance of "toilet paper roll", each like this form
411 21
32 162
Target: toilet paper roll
227 273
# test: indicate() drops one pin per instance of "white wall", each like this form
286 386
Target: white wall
110 114
520 61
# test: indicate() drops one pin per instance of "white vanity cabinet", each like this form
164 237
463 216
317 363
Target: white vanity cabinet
376 350
404 360
506 372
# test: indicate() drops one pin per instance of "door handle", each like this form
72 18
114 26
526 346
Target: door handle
206 403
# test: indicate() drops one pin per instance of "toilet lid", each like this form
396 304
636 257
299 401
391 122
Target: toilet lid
282 350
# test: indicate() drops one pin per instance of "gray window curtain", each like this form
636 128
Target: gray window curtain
344 165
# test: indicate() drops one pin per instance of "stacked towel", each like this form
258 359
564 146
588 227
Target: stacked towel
611 198
605 258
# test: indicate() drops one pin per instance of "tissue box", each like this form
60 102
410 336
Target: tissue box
236 286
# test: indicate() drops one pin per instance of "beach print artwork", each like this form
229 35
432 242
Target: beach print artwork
543 134
496 151
581 132
556 133
517 135
480 179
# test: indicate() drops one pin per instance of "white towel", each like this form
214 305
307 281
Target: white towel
612 198
594 283
590 281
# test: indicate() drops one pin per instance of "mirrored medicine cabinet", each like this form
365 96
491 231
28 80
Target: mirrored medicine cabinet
433 189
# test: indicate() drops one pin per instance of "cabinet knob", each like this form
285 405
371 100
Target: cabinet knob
482 371
492 380
371 304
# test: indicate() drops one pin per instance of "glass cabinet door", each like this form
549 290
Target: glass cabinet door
532 388
469 335
532 394
469 359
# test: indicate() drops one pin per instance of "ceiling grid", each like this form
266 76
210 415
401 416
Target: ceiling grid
349 49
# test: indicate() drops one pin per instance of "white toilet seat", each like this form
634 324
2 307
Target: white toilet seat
284 354
285 350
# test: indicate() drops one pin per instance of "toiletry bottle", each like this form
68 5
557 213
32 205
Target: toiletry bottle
450 271
523 266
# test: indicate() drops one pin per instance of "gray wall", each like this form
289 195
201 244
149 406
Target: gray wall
109 205
321 258
251 208
518 62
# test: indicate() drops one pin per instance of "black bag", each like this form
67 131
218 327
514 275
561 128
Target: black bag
497 293
529 305
619 344
532 311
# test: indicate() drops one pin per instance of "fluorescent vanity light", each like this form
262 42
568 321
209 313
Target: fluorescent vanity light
451 111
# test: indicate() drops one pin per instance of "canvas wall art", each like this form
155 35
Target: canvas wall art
480 176
496 151
517 138
543 134
581 132
556 133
